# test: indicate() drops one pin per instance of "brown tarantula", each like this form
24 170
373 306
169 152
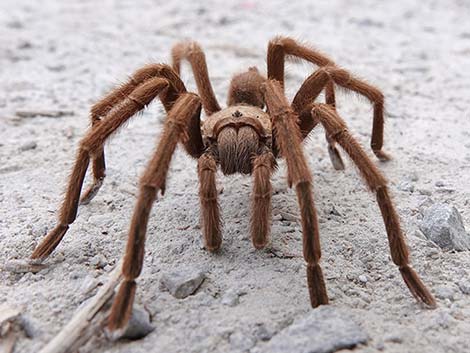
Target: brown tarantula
258 126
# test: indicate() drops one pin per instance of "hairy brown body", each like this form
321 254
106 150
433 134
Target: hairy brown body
258 126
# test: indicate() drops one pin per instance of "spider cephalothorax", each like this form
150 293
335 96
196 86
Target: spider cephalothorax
258 126
235 135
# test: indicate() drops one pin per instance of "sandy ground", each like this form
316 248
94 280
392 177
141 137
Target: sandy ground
65 55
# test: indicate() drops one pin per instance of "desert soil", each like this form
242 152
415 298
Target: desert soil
61 56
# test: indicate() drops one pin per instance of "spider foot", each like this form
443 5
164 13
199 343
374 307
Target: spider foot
91 192
417 287
212 248
316 285
49 243
382 156
121 309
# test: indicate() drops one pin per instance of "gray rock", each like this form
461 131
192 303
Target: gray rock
443 225
464 286
231 298
28 146
182 284
139 325
325 329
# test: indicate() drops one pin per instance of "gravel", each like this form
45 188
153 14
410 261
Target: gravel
58 57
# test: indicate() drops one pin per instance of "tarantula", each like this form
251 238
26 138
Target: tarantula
258 126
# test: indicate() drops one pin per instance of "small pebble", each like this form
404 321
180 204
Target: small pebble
98 261
28 146
406 186
362 278
262 333
334 211
285 216
182 284
393 337
464 286
426 192
139 325
230 298
433 253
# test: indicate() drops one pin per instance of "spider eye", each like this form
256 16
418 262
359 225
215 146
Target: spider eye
237 114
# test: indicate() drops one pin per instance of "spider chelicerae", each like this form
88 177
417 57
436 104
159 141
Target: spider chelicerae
258 126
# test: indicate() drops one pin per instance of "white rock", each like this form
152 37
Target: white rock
362 278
